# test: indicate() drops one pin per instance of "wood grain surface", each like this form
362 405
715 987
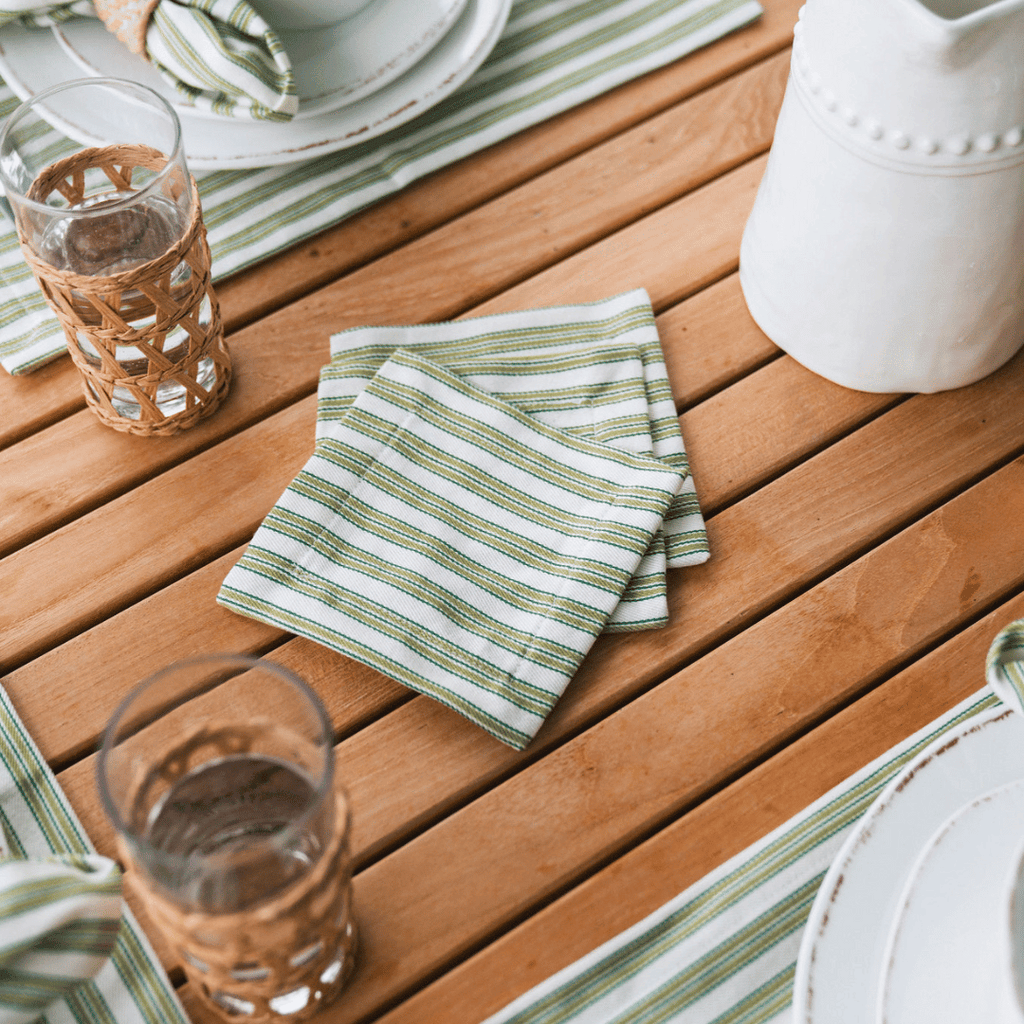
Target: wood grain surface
865 549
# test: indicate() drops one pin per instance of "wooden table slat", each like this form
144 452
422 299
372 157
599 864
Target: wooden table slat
865 549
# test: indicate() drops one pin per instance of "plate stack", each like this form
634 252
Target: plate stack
921 916
384 64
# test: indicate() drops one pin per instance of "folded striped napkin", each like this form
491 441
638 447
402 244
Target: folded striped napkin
59 920
455 543
219 55
70 951
1005 665
594 370
616 414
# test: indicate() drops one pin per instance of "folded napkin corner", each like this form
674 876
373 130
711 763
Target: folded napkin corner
1004 665
220 56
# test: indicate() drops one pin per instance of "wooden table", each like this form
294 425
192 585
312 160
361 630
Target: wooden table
866 548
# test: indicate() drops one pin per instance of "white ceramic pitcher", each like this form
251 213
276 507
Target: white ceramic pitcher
885 249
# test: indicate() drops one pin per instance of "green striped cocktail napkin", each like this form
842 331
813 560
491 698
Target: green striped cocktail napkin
53 872
552 56
59 920
453 542
597 392
725 950
593 369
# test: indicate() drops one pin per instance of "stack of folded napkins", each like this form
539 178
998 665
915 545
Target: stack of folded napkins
218 55
486 496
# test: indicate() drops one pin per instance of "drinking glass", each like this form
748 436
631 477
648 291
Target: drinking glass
218 775
110 222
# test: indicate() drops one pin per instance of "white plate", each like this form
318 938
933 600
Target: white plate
948 952
333 66
842 952
31 61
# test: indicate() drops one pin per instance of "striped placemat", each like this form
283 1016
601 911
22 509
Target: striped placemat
553 55
37 820
724 951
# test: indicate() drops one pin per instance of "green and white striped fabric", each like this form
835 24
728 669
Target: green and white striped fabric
219 55
455 543
53 884
724 951
604 395
222 57
33 14
594 369
552 56
59 920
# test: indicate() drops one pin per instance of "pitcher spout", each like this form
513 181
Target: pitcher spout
959 33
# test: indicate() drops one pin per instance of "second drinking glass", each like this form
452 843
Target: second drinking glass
218 775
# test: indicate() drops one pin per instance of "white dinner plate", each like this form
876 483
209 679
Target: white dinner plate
948 955
31 61
333 66
842 951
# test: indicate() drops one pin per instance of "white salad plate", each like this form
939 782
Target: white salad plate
840 966
948 955
333 67
32 61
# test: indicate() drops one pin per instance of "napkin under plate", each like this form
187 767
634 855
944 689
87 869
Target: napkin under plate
218 55
453 542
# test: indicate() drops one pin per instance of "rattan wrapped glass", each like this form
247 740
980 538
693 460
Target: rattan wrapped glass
114 234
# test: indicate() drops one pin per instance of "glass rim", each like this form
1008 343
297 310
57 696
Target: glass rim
176 155
322 789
